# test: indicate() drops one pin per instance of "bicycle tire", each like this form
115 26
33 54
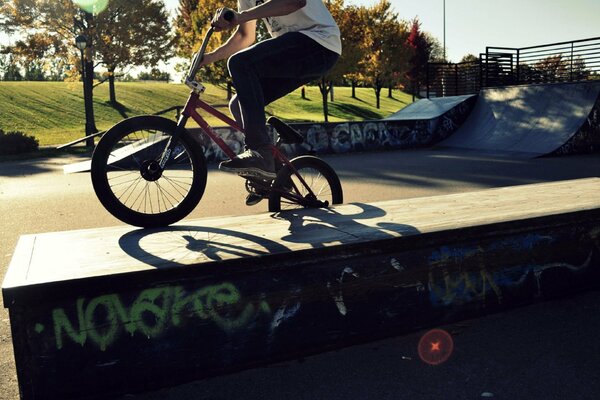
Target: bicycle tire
321 178
123 183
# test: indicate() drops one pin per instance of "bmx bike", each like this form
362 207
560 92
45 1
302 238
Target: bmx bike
150 171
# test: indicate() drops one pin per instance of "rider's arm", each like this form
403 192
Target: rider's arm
244 36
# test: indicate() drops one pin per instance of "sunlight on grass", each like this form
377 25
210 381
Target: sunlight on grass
53 111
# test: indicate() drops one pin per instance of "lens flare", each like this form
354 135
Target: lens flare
435 347
92 6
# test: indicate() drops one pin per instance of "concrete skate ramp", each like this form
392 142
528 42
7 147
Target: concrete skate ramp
424 109
526 121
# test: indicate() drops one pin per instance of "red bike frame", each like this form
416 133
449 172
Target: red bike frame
194 102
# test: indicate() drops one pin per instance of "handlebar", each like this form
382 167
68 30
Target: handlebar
228 16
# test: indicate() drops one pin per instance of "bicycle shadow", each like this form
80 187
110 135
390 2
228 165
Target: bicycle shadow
186 245
323 226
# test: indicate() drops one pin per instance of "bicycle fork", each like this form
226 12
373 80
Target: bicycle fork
310 200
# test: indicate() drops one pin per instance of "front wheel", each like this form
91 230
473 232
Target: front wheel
314 184
129 181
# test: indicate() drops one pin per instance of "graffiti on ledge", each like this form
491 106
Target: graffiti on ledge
102 319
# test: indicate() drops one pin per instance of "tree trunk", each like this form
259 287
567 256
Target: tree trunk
89 94
88 85
353 89
390 93
303 93
111 87
331 91
378 94
324 89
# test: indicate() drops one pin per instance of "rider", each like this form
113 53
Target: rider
305 44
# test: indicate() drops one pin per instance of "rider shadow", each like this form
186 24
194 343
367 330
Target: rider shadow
318 227
189 244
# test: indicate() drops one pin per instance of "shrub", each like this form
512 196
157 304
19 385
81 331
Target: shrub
16 143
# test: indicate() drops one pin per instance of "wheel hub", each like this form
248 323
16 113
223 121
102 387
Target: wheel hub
151 170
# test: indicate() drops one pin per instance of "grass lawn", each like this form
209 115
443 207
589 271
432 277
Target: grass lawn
53 112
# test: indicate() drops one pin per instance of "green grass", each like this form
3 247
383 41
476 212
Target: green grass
53 112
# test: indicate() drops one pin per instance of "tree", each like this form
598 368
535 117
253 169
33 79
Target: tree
436 50
125 33
469 58
10 70
191 24
345 17
385 39
351 21
154 75
34 71
132 33
420 52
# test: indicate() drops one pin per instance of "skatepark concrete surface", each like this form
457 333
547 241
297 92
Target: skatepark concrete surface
526 121
428 108
545 351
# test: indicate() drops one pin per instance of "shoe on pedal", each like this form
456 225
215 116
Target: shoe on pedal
259 163
253 199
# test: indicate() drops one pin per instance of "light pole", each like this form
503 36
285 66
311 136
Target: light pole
81 44
444 30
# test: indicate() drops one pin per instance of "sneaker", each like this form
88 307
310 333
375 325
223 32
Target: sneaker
252 163
253 199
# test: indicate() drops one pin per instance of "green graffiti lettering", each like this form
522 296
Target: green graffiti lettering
62 323
211 298
146 305
182 300
103 332
229 324
153 311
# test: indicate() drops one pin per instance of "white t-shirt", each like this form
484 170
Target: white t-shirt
313 20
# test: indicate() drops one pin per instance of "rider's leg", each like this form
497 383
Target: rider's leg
263 72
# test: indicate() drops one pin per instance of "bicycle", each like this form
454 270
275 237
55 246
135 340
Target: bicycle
150 171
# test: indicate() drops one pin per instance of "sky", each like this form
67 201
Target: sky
471 25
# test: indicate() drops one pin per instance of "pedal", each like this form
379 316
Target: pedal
253 175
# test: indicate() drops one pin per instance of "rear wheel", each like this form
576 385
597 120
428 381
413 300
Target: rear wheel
129 182
289 192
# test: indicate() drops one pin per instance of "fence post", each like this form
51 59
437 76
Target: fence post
427 78
571 80
456 79
518 66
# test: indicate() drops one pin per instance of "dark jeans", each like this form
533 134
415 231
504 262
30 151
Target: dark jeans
268 71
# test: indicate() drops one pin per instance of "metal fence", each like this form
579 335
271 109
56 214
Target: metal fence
447 79
573 61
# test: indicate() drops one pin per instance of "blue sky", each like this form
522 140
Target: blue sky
471 25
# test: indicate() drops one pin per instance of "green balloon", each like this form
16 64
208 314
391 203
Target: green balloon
92 6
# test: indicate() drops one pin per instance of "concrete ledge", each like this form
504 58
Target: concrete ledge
115 310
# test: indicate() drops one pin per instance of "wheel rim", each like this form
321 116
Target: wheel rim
318 183
135 178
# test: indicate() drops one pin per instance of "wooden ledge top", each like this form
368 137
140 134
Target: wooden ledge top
60 256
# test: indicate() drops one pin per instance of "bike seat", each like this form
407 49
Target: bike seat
288 134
